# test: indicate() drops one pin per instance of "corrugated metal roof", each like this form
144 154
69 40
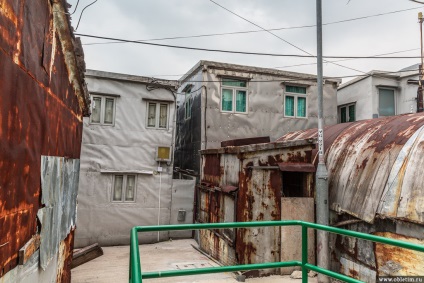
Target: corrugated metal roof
374 166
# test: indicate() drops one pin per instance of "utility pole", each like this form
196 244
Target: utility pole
420 104
321 181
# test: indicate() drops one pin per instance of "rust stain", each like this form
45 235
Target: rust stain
397 260
65 259
212 170
353 273
41 116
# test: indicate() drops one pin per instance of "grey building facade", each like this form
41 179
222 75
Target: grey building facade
220 101
126 159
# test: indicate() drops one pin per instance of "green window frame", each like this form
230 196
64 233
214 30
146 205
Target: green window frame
234 97
295 102
347 113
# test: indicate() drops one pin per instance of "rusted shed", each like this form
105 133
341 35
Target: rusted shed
246 183
43 99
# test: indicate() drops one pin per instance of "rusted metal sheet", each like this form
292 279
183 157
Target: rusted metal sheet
40 111
59 185
246 141
401 198
395 261
212 169
296 167
259 199
359 158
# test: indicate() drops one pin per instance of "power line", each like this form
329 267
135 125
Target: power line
304 51
244 52
257 31
378 55
83 12
76 6
311 79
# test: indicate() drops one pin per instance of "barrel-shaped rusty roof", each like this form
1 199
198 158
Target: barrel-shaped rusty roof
375 166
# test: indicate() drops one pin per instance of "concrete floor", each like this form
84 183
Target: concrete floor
112 267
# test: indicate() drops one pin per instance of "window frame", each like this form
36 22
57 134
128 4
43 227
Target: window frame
347 112
157 114
394 100
234 95
124 191
295 95
188 103
103 109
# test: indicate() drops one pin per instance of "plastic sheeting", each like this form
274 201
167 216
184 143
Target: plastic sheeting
126 147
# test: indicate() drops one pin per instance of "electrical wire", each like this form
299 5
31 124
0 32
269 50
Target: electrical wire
83 12
312 79
256 31
304 51
76 6
243 52
378 55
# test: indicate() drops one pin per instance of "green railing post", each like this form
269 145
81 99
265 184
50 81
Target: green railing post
135 265
304 253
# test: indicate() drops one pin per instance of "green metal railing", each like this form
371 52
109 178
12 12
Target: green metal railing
136 276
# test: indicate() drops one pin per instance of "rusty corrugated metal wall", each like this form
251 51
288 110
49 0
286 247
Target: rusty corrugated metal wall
376 186
42 102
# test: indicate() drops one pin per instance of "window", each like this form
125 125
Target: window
386 102
234 96
123 188
295 101
347 113
187 106
102 110
157 115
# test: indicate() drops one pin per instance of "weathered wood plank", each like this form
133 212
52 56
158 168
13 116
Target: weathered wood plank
86 254
29 249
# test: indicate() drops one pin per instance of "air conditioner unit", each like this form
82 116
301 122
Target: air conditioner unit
163 153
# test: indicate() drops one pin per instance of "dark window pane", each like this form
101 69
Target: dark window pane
352 113
343 115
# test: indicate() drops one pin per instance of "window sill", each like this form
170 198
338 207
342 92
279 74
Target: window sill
145 172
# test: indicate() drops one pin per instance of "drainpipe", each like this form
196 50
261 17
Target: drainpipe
420 103
321 189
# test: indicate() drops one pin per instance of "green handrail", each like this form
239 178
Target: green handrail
135 275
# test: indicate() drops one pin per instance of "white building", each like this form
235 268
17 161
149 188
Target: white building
127 161
378 94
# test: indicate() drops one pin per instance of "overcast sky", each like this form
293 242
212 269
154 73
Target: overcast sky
156 19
